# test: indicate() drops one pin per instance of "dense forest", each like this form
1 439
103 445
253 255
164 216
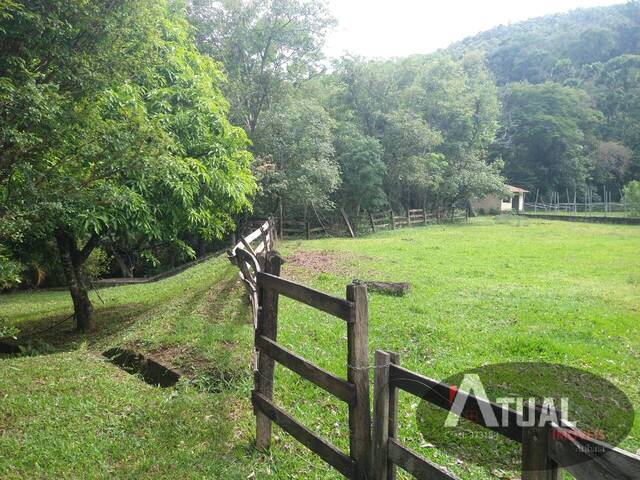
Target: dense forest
550 104
570 94
135 134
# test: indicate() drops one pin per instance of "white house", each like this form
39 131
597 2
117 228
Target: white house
494 203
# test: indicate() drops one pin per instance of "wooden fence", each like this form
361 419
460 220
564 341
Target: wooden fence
414 217
545 449
266 286
248 255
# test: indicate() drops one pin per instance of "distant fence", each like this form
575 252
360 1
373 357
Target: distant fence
545 449
585 218
339 223
595 208
414 217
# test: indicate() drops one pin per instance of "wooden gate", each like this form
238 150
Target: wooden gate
354 391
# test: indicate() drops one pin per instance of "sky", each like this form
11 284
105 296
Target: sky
397 28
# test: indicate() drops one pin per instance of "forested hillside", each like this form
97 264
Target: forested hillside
570 89
550 104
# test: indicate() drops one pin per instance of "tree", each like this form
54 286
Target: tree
546 132
125 133
616 89
610 163
362 167
296 163
263 45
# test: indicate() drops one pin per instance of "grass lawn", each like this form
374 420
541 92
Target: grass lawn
483 292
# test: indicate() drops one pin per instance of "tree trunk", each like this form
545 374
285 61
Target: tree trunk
72 264
125 270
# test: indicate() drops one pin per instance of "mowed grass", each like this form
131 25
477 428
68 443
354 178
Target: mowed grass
483 292
72 415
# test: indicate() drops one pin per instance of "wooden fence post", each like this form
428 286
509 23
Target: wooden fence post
373 223
381 417
358 374
536 462
348 223
408 217
392 220
424 216
267 326
393 415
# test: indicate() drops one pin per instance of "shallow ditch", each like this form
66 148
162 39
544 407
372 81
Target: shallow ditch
8 347
150 370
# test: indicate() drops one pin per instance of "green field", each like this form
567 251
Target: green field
484 292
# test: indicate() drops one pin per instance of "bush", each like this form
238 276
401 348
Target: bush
10 272
96 264
7 330
632 196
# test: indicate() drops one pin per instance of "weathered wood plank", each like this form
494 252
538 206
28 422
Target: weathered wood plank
268 327
586 458
358 374
415 464
314 298
316 444
256 233
381 417
336 386
348 223
244 260
536 462
393 414
439 393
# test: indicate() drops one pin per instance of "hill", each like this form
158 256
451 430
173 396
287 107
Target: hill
569 87
551 47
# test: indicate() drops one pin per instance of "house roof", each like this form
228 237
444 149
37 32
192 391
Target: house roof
517 189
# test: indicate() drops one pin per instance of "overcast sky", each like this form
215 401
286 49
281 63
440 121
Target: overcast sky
397 28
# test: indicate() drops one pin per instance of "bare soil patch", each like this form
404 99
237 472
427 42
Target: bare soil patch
305 264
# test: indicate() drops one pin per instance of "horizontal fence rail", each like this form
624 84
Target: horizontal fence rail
335 306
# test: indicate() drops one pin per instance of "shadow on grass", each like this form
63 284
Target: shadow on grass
57 333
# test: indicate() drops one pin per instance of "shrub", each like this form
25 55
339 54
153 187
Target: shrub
632 196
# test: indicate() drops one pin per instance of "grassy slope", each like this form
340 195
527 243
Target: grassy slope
481 293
